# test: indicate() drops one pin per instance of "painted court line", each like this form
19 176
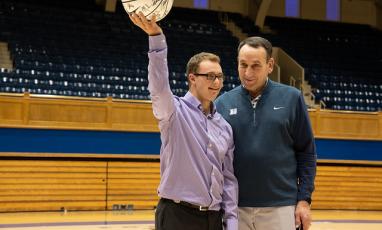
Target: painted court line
54 224
92 223
351 221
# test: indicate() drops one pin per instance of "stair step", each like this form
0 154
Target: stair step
5 57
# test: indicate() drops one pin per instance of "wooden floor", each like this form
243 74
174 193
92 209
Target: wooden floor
134 220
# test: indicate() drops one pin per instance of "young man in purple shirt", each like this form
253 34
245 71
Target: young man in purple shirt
198 189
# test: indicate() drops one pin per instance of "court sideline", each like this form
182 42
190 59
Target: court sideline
144 220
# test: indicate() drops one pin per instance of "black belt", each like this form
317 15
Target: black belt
184 203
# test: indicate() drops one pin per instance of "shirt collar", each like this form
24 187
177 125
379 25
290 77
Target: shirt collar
196 103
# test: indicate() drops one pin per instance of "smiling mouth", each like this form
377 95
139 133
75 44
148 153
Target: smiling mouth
249 82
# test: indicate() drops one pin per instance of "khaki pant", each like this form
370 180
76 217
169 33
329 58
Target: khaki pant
267 218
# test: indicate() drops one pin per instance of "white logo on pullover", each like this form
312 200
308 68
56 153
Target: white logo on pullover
233 111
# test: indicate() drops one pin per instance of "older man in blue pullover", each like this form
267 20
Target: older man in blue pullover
275 156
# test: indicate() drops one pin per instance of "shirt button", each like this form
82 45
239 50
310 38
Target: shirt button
209 145
213 174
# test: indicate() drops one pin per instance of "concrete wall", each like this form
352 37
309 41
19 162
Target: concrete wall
288 67
261 14
379 17
351 11
277 8
359 11
238 6
184 3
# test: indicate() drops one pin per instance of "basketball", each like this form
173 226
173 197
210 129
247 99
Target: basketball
148 7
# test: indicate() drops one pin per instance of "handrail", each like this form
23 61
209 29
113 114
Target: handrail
322 104
223 17
292 81
313 97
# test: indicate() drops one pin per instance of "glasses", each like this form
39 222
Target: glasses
211 76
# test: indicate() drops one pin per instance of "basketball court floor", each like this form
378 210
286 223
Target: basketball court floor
144 220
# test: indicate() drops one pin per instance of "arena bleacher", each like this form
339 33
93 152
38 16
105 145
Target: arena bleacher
82 51
342 62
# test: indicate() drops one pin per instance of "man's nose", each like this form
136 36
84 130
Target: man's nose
217 81
248 71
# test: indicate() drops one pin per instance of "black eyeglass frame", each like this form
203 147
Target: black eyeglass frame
212 76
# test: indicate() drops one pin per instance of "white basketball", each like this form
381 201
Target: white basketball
148 7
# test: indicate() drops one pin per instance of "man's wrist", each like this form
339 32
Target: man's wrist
301 197
155 34
306 201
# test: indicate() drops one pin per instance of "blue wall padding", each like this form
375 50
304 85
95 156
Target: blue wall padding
64 141
349 150
71 141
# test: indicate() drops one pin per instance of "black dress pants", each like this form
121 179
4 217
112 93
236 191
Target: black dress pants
173 216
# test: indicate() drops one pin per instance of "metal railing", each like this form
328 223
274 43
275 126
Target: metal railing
311 95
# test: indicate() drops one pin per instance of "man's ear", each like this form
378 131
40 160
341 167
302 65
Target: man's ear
191 78
271 63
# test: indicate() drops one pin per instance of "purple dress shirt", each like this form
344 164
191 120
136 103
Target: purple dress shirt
197 150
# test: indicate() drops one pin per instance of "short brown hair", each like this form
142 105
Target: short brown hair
193 63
